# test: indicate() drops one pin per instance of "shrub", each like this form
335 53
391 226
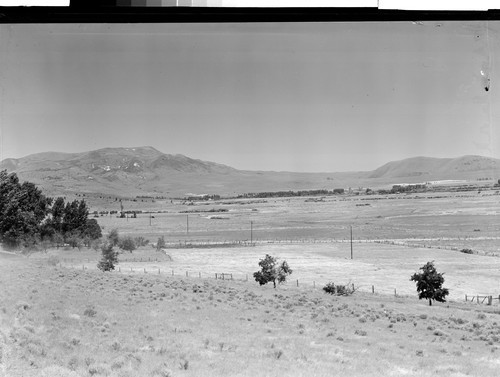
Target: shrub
113 237
127 243
109 258
271 271
467 251
74 240
161 243
96 244
90 312
339 290
140 241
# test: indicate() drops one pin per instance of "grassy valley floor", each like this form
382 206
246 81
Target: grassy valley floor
64 322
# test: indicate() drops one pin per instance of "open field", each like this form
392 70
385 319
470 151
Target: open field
386 267
60 316
445 220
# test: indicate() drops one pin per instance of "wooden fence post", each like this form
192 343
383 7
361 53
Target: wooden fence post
465 298
373 289
199 275
172 272
490 300
297 282
158 271
395 294
144 270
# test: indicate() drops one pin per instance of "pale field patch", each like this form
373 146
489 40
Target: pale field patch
386 267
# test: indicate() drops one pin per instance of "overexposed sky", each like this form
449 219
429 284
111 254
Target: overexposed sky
290 96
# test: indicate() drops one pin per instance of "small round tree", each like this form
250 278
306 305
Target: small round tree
109 258
161 243
114 237
271 271
430 284
127 244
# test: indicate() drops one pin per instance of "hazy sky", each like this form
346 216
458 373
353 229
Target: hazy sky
297 97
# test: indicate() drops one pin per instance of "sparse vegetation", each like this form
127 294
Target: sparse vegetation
141 241
430 284
272 271
467 251
339 290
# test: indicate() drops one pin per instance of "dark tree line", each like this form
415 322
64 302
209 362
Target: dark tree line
27 217
286 194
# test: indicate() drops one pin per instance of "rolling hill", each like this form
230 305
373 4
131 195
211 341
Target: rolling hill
147 171
427 168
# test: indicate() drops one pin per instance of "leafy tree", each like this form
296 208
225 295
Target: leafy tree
75 216
109 258
271 271
92 229
114 237
161 243
430 284
127 243
23 207
57 212
74 239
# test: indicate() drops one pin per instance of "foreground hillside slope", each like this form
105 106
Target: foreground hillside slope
147 171
64 322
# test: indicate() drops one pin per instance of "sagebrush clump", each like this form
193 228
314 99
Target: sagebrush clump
339 290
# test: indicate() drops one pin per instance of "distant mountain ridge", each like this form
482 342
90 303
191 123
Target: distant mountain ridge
145 170
430 167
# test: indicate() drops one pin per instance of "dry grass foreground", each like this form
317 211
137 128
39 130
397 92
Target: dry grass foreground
61 322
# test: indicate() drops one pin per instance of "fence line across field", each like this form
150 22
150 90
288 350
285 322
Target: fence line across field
480 299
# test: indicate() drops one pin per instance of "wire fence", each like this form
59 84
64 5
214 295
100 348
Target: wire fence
248 277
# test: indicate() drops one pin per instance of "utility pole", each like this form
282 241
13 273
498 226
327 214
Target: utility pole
149 218
251 232
351 242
